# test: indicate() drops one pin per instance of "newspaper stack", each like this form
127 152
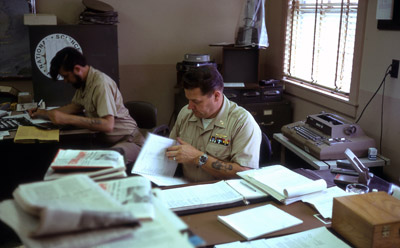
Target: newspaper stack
98 12
97 164
76 212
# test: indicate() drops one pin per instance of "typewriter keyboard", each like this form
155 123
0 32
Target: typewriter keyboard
307 133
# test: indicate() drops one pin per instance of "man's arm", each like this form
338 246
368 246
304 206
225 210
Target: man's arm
103 124
71 108
222 169
185 153
66 115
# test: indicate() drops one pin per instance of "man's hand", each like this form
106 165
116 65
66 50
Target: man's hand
183 153
38 113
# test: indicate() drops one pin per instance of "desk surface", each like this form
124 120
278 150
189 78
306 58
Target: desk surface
213 232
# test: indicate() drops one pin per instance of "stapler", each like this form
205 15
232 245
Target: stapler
364 176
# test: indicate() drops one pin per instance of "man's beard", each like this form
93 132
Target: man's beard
79 82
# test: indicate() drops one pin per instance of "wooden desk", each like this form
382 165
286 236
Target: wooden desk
316 163
213 232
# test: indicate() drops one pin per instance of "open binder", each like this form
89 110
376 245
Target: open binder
213 196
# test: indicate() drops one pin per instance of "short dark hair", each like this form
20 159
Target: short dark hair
66 58
206 77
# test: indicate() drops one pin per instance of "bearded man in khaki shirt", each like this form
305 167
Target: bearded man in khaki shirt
98 97
216 138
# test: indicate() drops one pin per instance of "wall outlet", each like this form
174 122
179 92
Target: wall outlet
394 72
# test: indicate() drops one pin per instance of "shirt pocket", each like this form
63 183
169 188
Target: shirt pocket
219 151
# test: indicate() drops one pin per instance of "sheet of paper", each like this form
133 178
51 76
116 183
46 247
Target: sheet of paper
309 238
317 237
323 201
152 160
165 181
4 133
255 222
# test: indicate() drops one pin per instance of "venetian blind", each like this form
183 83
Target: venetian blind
319 45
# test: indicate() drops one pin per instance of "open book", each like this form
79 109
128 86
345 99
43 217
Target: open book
255 222
288 186
73 206
282 183
97 164
204 197
153 164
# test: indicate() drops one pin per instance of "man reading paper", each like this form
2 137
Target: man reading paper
216 137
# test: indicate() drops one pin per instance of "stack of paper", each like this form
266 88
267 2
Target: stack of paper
255 222
97 164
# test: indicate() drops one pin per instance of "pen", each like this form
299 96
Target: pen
248 186
39 104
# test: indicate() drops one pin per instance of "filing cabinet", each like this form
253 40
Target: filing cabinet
271 116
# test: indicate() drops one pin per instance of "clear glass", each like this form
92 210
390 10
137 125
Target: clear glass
357 188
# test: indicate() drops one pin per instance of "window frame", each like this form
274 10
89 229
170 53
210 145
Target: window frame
345 104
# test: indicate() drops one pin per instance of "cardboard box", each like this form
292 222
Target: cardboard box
368 220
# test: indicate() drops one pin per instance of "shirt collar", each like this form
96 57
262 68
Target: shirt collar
219 120
89 79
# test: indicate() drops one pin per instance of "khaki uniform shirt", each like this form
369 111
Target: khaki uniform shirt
100 97
233 135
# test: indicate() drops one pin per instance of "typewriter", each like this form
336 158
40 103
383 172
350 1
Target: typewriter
326 136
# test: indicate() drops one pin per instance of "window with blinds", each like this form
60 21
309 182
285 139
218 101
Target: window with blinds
320 37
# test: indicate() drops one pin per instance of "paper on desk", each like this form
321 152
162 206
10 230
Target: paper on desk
4 133
164 231
29 134
152 162
320 237
196 196
323 201
258 221
24 224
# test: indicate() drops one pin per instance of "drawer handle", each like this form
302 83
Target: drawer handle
266 124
